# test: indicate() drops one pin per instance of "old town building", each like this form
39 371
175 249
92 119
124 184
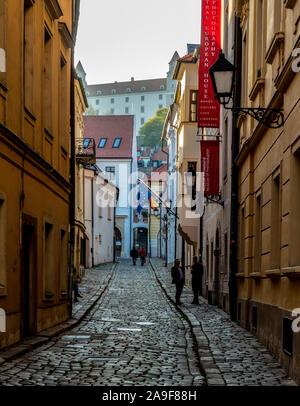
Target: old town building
84 157
35 111
269 175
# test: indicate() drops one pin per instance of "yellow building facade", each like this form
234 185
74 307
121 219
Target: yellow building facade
269 178
187 158
35 111
81 105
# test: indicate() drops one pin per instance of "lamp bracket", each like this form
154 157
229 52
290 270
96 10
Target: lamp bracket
271 118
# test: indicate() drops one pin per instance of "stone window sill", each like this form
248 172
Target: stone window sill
275 45
256 275
291 272
273 273
258 85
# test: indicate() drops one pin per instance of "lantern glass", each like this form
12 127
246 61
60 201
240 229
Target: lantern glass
223 82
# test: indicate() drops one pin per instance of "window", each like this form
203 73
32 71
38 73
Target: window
99 92
113 91
192 169
259 37
242 242
275 223
29 41
162 87
88 93
97 112
126 110
102 143
63 103
193 105
143 89
49 260
112 101
142 109
47 81
254 318
126 99
63 262
160 97
225 150
112 111
3 22
100 239
226 253
110 172
287 336
117 142
97 101
142 121
86 142
128 90
257 242
142 98
3 253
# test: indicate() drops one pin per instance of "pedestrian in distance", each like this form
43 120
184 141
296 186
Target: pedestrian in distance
177 279
134 255
143 256
197 272
76 281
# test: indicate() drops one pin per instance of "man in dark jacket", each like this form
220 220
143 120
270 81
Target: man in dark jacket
197 272
134 254
178 279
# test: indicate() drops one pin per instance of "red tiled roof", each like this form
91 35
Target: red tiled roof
110 127
160 173
160 156
188 57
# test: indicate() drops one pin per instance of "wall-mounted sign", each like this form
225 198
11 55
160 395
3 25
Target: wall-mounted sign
208 107
210 166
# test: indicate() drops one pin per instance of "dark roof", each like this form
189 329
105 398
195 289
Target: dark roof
110 127
150 85
79 68
174 57
191 48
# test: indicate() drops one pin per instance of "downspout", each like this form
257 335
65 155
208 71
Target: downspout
233 294
72 181
93 237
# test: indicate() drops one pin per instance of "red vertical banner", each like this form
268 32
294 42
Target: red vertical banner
210 166
208 107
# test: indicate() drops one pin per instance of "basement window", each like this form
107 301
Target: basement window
287 336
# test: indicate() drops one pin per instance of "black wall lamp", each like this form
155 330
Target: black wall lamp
222 74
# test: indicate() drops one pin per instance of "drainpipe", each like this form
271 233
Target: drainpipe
234 177
72 181
93 237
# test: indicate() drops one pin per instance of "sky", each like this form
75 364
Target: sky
120 39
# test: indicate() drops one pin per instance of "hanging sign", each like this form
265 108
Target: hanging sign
210 166
208 106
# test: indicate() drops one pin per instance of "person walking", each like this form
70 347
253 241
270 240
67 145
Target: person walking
134 255
76 281
143 256
177 279
197 272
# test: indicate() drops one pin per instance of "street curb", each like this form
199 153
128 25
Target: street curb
44 336
208 365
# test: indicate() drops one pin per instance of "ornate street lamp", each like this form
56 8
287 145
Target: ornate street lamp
222 74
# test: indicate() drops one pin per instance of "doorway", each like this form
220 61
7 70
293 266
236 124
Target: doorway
29 276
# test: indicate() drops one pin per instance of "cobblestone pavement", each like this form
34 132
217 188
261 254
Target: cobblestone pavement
234 356
133 336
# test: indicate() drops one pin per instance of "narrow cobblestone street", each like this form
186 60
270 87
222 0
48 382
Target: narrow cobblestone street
132 336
